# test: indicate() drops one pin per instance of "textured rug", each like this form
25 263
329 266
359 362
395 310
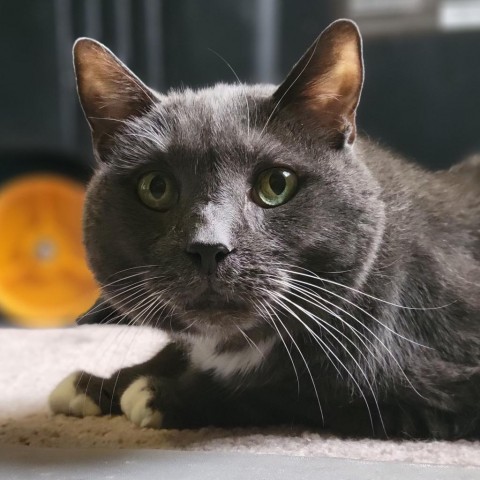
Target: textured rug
32 362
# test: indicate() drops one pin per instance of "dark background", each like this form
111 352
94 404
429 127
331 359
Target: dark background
421 96
422 91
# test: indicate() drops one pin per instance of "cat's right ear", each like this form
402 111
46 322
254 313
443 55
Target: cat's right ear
109 92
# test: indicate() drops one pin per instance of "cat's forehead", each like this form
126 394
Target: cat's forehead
213 115
205 126
220 99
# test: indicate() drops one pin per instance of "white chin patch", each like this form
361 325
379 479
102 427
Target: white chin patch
135 404
65 399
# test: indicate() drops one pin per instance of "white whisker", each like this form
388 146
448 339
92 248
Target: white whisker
271 322
363 311
319 340
304 361
240 84
272 113
317 277
390 353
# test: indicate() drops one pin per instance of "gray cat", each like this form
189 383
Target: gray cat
304 274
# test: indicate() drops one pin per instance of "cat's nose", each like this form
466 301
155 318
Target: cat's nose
207 256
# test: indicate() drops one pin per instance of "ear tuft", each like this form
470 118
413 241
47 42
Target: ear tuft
327 81
109 92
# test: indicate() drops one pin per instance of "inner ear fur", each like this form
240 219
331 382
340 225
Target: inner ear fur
109 92
327 81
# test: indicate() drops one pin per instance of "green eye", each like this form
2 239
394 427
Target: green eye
274 187
157 191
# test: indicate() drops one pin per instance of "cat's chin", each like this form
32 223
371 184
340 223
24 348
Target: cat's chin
211 305
211 300
217 314
211 311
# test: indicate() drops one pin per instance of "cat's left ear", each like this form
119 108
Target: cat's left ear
324 87
109 92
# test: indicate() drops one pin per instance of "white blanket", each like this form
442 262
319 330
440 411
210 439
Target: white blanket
32 362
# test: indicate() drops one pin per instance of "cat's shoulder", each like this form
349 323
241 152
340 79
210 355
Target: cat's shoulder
406 185
469 166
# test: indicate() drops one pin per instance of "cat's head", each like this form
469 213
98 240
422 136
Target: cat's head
209 208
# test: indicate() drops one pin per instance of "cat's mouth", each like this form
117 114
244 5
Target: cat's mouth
210 304
212 297
211 301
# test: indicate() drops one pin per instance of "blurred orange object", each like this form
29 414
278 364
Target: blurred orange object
44 278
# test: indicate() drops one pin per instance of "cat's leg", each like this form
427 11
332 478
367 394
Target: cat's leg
449 405
198 399
83 394
168 392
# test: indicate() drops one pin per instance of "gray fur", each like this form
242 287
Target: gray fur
397 250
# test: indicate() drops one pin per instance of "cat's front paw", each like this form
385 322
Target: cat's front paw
137 404
67 398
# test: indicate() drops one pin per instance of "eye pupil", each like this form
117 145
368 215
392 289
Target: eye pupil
157 187
274 187
157 191
277 183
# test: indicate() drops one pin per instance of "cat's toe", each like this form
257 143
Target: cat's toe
136 404
65 398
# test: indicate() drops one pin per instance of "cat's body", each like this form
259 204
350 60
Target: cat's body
304 275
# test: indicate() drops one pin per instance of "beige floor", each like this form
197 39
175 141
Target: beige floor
32 362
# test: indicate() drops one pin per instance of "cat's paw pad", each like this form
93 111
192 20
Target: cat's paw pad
136 404
65 398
